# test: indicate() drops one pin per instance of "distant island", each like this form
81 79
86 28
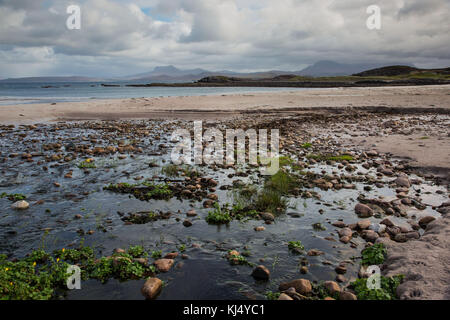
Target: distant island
385 76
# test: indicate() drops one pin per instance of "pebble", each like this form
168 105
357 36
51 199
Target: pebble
261 273
20 205
151 288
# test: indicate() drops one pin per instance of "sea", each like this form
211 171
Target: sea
44 92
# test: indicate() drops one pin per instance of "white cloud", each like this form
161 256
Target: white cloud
121 37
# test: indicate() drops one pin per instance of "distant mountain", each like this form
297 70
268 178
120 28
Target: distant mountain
331 68
167 74
52 79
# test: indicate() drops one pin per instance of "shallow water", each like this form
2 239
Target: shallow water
206 274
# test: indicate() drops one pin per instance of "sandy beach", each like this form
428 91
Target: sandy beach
432 152
198 107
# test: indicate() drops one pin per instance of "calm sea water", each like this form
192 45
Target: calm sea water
26 93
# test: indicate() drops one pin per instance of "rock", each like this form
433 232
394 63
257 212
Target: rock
329 299
20 205
260 228
364 224
345 232
164 265
171 255
403 182
340 278
345 295
314 253
267 216
284 296
345 239
261 273
151 288
377 227
341 269
363 211
304 270
423 223
187 223
302 286
191 213
339 224
119 250
78 216
332 287
370 236
142 261
387 222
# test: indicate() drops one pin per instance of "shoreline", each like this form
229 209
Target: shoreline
423 97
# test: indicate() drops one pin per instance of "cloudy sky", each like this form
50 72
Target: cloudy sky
122 37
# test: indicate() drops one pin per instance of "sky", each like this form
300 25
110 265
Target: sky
123 37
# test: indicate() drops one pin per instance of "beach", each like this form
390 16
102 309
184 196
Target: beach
360 167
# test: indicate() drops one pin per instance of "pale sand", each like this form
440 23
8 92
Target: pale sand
204 106
434 153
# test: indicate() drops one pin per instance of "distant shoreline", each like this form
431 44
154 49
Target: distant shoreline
299 84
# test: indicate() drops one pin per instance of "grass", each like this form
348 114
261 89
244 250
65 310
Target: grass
295 245
217 216
386 292
40 275
306 145
87 164
170 170
13 197
321 157
374 255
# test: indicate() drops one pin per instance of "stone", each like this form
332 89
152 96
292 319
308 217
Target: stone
171 255
164 265
340 278
260 228
191 213
339 224
332 287
314 253
345 232
261 273
341 269
364 224
267 216
20 205
370 236
151 288
345 295
403 182
345 239
284 296
387 222
423 223
363 211
187 223
302 286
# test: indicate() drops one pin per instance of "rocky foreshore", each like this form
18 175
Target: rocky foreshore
336 207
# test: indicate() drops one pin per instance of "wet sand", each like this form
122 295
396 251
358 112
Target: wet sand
426 97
